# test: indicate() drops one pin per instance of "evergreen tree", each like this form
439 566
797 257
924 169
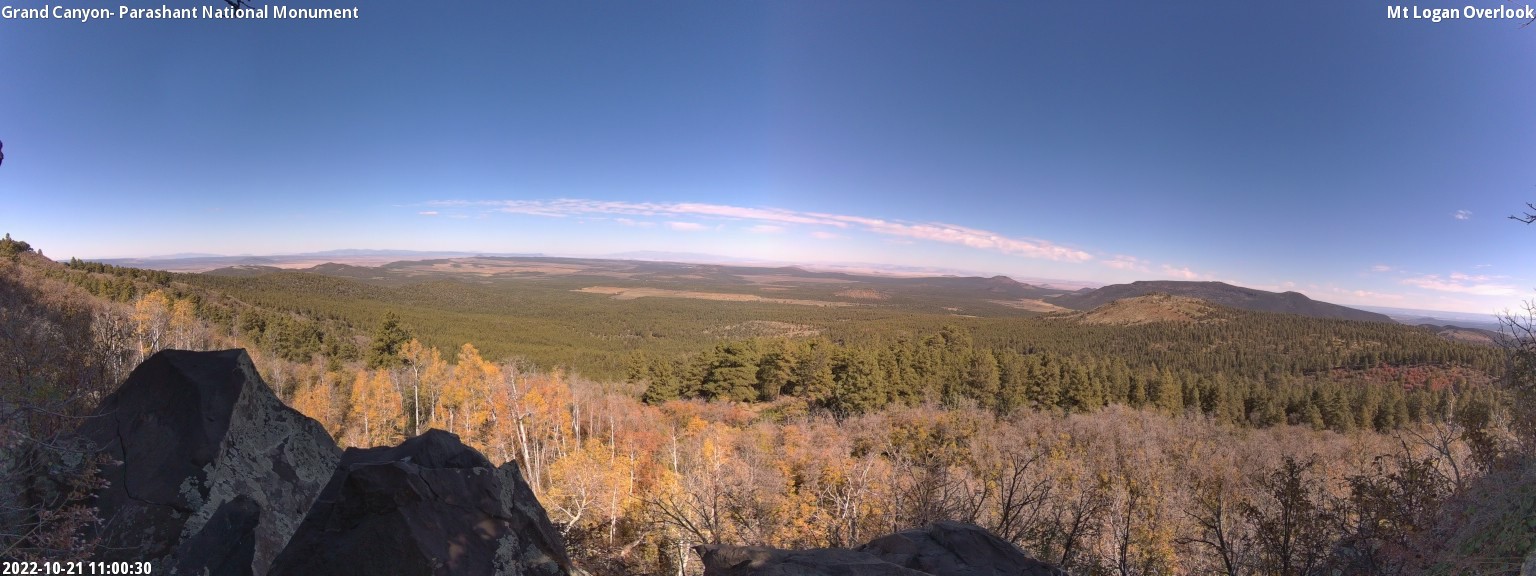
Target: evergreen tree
982 379
1166 392
664 383
731 373
10 248
384 352
813 374
1081 393
1012 382
1044 383
775 372
1136 396
857 384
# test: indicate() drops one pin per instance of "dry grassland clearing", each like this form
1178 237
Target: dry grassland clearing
782 278
863 294
1031 305
633 293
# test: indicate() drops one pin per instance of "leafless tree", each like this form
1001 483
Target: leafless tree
50 375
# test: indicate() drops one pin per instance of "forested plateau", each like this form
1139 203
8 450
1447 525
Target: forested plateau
1220 441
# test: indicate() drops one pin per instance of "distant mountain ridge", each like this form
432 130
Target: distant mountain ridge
995 290
1157 307
1218 293
350 256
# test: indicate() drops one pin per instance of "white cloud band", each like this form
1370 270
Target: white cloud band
934 231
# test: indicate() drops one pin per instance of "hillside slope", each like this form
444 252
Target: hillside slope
1218 293
1148 309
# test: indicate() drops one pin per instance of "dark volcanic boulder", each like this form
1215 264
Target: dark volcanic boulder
226 544
939 549
722 560
956 549
216 473
428 506
526 517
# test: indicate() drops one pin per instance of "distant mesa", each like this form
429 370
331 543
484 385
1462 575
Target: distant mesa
336 269
677 257
994 287
738 282
196 262
243 271
1219 293
1149 309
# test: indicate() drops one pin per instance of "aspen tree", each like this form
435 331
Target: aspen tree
375 412
152 318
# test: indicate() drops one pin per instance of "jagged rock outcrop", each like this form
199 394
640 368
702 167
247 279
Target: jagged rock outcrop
216 476
215 472
723 560
226 544
428 506
956 549
939 549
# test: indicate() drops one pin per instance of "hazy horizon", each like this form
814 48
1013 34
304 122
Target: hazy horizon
1323 148
386 255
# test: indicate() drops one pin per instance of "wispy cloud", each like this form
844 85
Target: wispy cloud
428 213
1478 285
1459 277
635 223
1367 294
974 238
687 226
766 229
933 231
1381 268
1379 295
1123 262
1462 215
824 235
1183 273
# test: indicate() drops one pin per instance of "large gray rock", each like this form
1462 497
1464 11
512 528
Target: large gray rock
215 472
939 549
956 549
723 560
428 506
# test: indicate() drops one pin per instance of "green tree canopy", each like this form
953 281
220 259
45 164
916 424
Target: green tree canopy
384 352
9 247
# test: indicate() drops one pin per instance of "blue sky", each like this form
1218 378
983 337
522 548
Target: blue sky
1313 146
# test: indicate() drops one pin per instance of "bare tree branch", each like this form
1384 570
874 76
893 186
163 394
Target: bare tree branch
1528 217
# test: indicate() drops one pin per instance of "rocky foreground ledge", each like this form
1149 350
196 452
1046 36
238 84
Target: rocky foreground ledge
215 472
430 505
938 549
217 476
